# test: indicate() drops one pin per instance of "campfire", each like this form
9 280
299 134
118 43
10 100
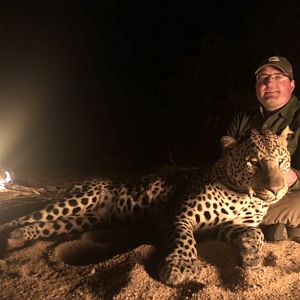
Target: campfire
8 183
5 180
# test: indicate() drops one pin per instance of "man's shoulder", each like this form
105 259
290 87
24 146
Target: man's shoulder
247 113
294 107
295 119
242 122
297 103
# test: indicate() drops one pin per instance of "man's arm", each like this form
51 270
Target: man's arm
292 178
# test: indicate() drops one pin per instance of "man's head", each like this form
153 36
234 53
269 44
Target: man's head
274 83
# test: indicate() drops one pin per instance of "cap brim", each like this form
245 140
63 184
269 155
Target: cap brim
272 65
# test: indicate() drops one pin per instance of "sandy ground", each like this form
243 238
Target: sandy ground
38 272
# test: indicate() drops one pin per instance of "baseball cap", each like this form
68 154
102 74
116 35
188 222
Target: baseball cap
278 62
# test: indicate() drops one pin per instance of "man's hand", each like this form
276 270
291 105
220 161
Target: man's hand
291 177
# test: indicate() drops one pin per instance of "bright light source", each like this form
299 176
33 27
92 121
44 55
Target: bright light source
5 180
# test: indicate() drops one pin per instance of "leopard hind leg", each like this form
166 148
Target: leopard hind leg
44 230
62 208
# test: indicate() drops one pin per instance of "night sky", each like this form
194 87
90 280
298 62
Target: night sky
107 86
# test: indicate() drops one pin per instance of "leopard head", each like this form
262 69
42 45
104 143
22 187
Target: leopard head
256 164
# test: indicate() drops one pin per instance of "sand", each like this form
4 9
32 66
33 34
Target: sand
37 272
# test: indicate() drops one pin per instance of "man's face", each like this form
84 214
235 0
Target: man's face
271 92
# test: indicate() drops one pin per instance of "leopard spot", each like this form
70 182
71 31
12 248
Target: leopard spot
56 226
37 215
46 232
199 207
73 202
84 201
78 221
56 211
190 213
207 204
216 221
249 221
49 218
224 211
76 210
49 208
207 215
65 211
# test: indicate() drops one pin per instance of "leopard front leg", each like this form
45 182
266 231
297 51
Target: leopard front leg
181 265
248 239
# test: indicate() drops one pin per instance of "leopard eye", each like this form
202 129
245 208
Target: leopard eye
254 162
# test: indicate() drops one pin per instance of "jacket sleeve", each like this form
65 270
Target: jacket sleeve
294 148
235 125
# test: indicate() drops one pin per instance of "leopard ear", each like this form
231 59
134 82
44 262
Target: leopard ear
284 135
228 142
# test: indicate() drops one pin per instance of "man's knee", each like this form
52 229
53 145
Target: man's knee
282 220
286 211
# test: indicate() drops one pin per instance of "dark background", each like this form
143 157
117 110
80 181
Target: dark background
88 87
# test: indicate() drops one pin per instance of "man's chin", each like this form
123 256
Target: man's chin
271 103
270 99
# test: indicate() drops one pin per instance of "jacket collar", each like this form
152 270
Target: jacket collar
283 111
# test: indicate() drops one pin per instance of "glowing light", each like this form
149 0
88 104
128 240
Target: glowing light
5 180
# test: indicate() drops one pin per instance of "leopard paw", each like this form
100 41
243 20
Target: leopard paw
16 239
251 260
4 234
177 270
251 242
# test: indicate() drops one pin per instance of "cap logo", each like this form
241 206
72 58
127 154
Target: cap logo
274 58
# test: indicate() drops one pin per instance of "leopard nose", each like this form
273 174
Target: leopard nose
275 181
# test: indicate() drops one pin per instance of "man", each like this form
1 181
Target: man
278 107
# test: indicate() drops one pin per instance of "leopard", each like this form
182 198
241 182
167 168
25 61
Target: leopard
231 198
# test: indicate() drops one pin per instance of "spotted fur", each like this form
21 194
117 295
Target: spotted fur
232 198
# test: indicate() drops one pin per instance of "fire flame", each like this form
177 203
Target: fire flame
5 180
